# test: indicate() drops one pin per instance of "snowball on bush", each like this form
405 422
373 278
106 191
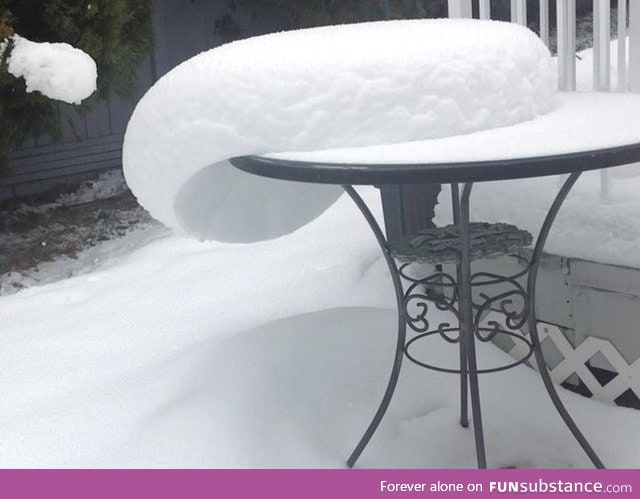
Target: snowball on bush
56 70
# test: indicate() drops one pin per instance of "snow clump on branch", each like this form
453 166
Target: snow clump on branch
57 70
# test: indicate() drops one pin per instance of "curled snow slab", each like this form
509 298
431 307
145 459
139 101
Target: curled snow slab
57 70
338 86
580 121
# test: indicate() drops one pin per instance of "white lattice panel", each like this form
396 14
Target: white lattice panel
574 362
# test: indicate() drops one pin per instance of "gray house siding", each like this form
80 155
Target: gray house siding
92 138
91 142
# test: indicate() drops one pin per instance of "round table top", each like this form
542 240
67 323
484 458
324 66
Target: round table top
585 131
465 171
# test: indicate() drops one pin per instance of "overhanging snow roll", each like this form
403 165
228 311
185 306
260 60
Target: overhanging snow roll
337 86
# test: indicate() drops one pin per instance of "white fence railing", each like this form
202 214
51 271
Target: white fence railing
634 46
628 21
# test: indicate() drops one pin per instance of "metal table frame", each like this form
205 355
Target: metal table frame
462 303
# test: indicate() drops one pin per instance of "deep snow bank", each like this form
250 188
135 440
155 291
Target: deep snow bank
353 85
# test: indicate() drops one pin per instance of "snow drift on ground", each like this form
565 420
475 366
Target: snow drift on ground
350 85
57 70
274 354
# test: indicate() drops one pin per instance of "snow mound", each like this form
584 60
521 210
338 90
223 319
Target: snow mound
338 86
57 70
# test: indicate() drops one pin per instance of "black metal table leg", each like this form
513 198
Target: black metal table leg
532 323
402 325
468 322
464 371
467 325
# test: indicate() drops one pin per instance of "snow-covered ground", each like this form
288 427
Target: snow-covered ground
179 355
74 234
169 352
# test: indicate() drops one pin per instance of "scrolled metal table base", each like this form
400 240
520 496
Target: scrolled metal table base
459 301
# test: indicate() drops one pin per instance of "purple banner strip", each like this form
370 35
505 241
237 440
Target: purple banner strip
316 484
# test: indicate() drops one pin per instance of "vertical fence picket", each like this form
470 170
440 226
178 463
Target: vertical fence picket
602 64
622 46
566 30
484 9
521 12
634 46
459 8
628 75
544 21
601 45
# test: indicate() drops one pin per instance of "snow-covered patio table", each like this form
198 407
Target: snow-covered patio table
377 103
460 299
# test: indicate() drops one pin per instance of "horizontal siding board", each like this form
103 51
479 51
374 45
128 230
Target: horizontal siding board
27 167
28 163
86 167
62 147
62 160
85 164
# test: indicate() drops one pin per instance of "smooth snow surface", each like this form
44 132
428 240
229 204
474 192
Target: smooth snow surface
57 70
276 354
353 85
